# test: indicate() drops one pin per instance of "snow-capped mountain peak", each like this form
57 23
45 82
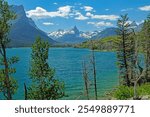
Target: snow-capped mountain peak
89 35
75 36
61 33
74 32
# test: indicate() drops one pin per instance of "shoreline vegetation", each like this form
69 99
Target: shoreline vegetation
134 77
105 44
128 45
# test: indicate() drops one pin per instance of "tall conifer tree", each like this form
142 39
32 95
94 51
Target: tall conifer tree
8 84
146 46
126 50
44 85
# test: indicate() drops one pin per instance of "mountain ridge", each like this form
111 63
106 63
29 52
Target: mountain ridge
74 35
24 31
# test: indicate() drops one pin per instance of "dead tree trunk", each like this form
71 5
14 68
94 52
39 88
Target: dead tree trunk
94 70
25 92
85 78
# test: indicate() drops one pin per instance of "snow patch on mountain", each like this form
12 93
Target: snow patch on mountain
74 33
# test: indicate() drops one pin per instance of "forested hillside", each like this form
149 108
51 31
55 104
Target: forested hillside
105 44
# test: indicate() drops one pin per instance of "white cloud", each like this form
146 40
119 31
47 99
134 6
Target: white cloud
80 16
89 14
68 12
127 9
88 8
100 24
65 9
105 17
102 17
40 12
48 23
145 8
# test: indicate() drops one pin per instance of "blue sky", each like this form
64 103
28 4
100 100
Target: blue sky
87 15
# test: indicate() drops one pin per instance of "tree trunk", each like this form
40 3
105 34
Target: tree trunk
125 61
7 81
135 90
25 92
85 77
94 73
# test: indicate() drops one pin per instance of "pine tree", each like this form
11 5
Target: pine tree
44 85
125 51
146 46
8 84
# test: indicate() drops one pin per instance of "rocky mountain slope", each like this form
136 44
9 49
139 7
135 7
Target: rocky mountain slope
24 31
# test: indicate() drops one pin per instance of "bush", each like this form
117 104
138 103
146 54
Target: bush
144 89
123 93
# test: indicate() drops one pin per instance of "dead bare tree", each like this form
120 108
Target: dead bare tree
94 69
85 78
139 71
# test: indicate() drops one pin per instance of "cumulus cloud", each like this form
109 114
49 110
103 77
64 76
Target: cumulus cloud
48 23
40 12
102 17
80 16
65 9
100 24
105 17
88 8
68 12
145 8
89 14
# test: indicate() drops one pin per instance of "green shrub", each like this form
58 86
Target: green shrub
123 93
144 89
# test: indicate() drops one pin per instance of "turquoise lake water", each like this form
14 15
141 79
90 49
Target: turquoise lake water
68 66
